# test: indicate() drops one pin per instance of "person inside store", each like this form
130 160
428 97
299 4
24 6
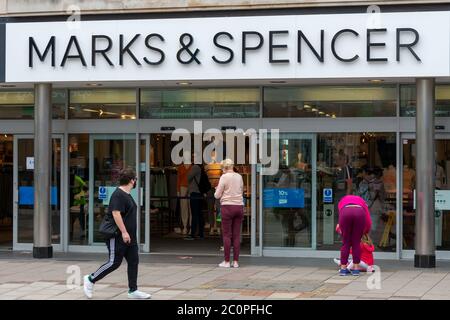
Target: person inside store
371 189
345 174
197 187
354 222
230 191
214 171
182 192
80 196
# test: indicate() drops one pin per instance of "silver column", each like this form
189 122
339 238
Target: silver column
42 170
425 164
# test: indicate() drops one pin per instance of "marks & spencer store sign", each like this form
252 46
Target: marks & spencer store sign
258 47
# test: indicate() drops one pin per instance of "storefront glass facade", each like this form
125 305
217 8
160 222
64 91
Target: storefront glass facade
364 162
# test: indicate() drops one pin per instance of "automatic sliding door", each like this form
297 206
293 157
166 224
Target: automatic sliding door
109 154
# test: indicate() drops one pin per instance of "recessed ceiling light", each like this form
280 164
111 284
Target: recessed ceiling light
305 106
94 84
321 112
333 116
314 110
376 80
184 83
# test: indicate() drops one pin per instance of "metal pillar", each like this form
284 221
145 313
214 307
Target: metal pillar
425 242
42 247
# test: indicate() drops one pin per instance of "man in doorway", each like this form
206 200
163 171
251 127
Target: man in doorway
123 209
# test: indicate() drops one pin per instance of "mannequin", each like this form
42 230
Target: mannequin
182 191
389 179
409 176
300 164
439 176
214 171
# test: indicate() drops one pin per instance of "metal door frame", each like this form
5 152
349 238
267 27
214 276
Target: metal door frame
63 206
295 252
92 138
407 253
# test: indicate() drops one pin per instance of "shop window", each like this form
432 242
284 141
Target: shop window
330 101
442 193
103 104
408 101
362 164
19 104
200 103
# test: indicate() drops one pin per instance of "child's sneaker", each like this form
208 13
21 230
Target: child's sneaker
355 272
370 269
344 272
337 261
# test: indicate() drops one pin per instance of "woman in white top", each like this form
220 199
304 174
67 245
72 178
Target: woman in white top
230 192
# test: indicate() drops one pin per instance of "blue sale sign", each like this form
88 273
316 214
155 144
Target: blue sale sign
284 198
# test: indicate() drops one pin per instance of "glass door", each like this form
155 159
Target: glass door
24 192
143 182
289 194
109 154
442 192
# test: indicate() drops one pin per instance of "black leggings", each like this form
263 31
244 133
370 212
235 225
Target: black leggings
117 251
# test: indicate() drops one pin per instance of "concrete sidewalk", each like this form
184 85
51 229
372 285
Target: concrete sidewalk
198 278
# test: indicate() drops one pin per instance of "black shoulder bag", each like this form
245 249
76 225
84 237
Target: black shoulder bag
108 228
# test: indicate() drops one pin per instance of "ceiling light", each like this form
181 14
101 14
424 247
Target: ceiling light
184 83
376 80
333 116
321 112
305 106
327 115
314 110
7 86
94 84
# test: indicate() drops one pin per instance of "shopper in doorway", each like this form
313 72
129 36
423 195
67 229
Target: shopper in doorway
123 209
195 199
230 192
354 221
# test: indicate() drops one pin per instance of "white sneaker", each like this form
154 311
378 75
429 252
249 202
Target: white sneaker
235 264
337 261
224 264
138 295
88 287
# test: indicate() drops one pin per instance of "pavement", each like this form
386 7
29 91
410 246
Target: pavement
175 277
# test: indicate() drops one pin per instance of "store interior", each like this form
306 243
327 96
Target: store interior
6 191
171 221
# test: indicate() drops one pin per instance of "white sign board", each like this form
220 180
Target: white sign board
318 46
30 163
441 199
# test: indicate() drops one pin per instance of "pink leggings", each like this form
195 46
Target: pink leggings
352 221
232 216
